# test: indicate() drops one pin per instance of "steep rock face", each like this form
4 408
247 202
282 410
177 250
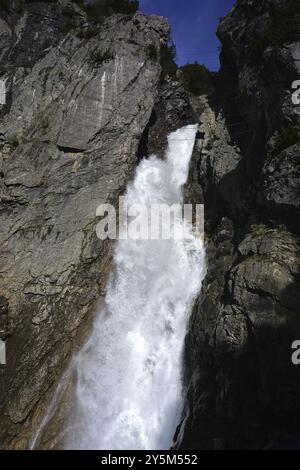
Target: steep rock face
242 388
76 111
172 110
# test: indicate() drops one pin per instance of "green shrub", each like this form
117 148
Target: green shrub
17 5
5 5
284 27
196 79
286 138
12 141
152 53
99 8
259 230
11 6
80 3
168 56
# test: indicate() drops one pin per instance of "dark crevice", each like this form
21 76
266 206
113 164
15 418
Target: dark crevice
142 150
69 149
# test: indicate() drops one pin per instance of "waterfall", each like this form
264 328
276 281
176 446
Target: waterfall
129 391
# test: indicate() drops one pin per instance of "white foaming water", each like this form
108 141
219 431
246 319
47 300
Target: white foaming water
129 373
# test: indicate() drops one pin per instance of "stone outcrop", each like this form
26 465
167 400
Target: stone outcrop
78 103
242 388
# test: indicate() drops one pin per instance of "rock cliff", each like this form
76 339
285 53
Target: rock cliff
78 103
242 388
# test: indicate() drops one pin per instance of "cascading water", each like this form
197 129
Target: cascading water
129 392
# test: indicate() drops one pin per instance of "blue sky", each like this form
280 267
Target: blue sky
194 23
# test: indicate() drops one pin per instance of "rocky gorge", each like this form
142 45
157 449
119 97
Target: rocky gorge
85 103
